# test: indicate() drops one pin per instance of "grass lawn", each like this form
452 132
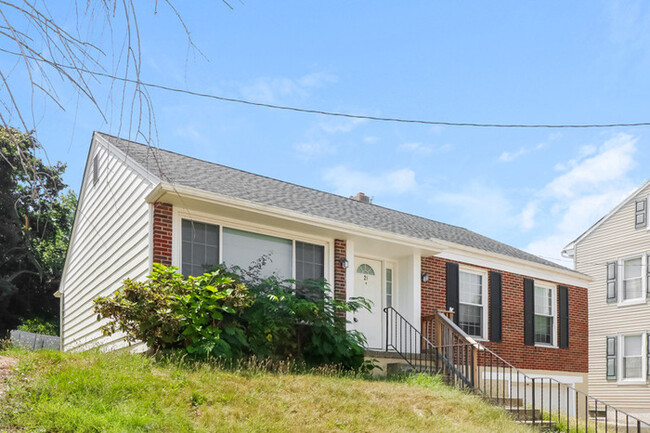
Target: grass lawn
121 392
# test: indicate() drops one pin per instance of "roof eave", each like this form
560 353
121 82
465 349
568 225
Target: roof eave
430 246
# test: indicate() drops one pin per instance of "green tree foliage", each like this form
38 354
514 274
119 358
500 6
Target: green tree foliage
220 314
35 225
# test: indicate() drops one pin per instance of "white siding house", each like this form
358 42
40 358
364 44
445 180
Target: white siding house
614 252
109 242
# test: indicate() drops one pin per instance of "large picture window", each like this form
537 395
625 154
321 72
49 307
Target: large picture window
544 315
284 258
245 249
471 303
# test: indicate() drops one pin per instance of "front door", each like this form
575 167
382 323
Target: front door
368 284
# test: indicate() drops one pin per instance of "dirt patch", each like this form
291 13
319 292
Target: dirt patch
7 364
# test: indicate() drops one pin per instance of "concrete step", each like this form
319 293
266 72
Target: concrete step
544 426
506 401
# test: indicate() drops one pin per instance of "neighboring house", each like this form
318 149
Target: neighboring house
139 205
614 252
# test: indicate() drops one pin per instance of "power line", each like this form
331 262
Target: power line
334 113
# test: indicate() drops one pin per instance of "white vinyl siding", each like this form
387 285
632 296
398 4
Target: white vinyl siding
110 243
614 239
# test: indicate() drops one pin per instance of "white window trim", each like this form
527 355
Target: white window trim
484 298
621 276
180 214
644 359
553 289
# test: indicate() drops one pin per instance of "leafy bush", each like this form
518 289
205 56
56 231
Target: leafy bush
40 325
171 312
215 314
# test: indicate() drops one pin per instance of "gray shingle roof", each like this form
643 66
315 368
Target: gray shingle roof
191 172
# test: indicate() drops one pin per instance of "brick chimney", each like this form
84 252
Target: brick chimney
361 197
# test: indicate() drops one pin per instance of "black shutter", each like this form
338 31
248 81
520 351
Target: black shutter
452 289
647 346
529 312
641 214
563 292
611 281
495 306
611 357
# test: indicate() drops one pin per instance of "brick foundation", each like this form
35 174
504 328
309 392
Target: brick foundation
162 233
512 348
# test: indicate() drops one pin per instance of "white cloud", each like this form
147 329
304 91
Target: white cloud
271 89
340 125
416 147
423 149
527 216
601 171
524 150
599 178
347 181
370 139
482 206
314 148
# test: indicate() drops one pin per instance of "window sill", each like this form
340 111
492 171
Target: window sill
548 346
631 382
630 302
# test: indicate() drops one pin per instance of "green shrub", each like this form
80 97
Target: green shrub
40 325
171 312
215 314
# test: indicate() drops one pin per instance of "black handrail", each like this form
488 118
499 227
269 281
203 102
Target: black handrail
463 362
421 354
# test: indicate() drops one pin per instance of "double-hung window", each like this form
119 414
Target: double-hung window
628 280
632 280
545 322
633 356
628 356
472 301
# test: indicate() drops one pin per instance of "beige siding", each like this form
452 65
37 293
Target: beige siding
110 242
614 238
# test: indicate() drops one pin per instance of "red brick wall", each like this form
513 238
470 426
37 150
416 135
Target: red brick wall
162 233
339 271
512 348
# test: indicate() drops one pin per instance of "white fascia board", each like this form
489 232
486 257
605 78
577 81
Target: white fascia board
605 218
437 247
473 256
153 179
164 188
569 251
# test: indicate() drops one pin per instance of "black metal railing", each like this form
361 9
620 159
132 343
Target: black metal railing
544 401
423 356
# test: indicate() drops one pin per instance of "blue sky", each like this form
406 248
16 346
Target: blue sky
505 62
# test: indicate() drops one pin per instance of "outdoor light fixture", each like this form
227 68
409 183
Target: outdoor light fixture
425 277
344 263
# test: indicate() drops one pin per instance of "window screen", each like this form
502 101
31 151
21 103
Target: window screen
245 249
310 265
200 247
